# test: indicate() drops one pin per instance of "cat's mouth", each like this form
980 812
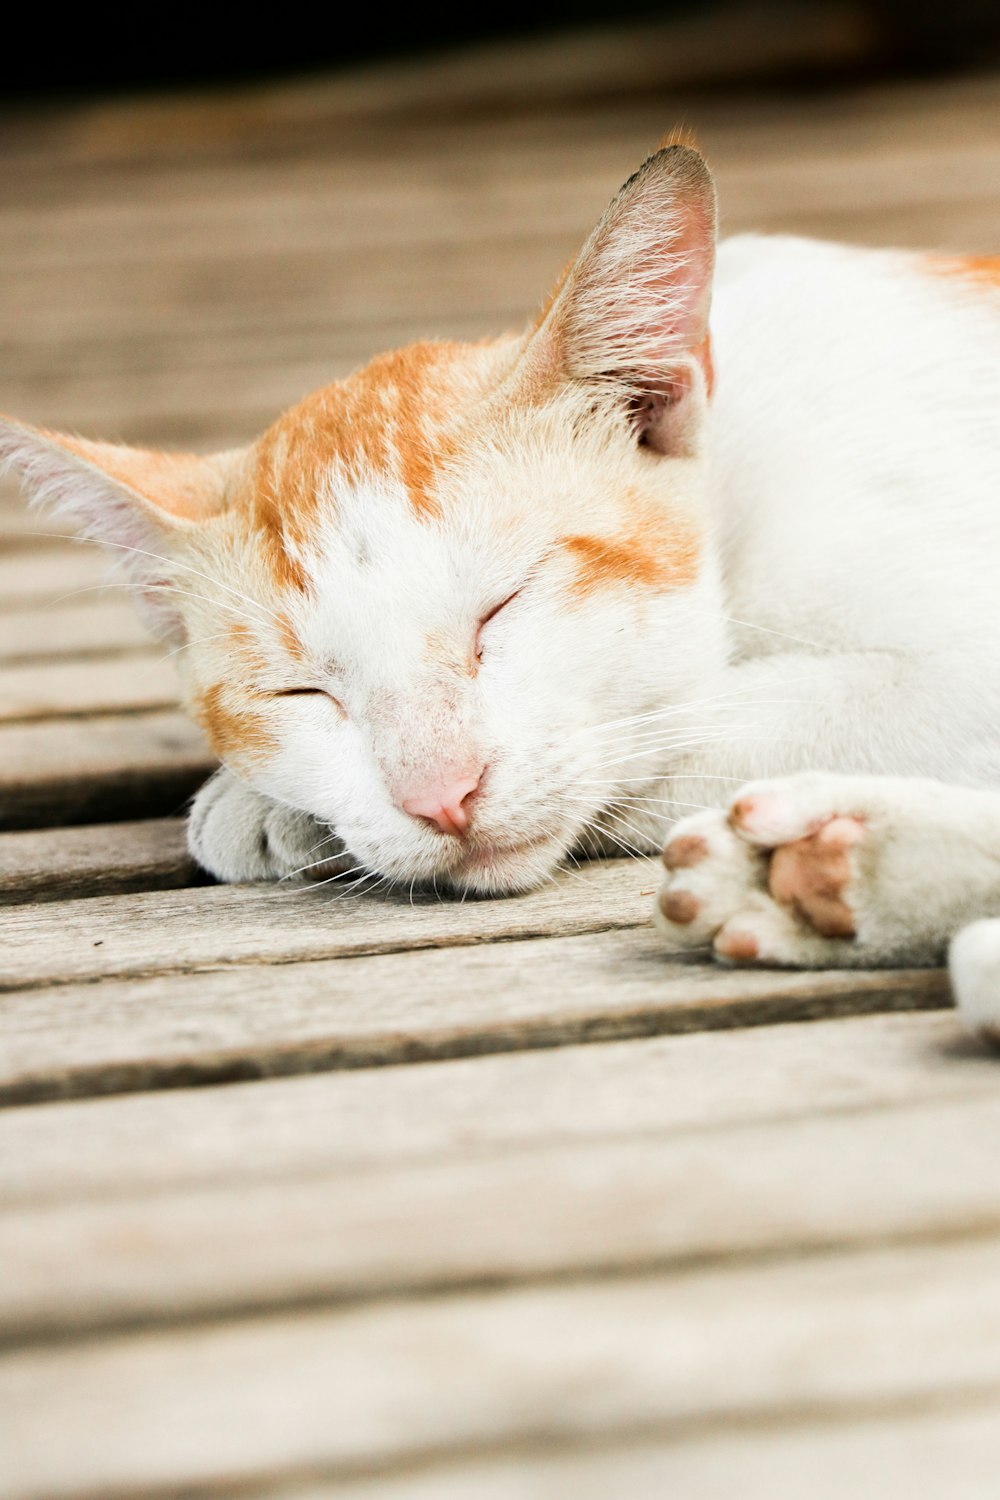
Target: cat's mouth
509 866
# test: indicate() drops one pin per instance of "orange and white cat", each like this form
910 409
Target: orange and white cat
481 605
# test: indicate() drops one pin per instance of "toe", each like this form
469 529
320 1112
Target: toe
685 851
679 906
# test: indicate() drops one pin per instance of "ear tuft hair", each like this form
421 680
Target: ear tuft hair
637 299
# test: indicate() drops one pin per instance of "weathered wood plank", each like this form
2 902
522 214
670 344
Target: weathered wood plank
49 576
306 208
160 932
357 1392
256 1021
72 631
493 1216
47 690
926 1454
373 1118
111 767
99 860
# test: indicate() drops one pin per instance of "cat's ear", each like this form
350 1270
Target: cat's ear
140 504
633 308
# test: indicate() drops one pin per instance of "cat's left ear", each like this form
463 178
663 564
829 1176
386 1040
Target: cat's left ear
143 505
633 308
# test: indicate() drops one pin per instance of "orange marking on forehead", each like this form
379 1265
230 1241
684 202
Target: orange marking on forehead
234 732
982 268
659 553
399 416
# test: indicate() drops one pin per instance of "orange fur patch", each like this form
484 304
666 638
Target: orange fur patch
656 553
243 644
237 733
982 268
398 416
185 485
703 354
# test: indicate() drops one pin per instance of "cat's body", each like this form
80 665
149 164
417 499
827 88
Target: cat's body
481 605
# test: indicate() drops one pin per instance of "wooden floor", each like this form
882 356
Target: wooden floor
305 1196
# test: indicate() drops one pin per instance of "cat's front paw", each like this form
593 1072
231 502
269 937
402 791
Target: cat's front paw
238 835
814 871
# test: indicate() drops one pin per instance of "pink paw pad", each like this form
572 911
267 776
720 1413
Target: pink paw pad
680 907
812 875
741 947
683 852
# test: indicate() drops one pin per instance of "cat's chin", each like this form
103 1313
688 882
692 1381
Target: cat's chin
503 869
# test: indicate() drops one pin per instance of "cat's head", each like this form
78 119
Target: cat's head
434 602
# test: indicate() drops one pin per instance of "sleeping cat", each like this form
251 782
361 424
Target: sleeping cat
480 606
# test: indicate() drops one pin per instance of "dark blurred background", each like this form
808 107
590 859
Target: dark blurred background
171 47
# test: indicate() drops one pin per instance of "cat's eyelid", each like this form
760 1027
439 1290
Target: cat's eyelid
309 692
485 619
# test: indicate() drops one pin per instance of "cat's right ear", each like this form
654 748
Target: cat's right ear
141 504
633 308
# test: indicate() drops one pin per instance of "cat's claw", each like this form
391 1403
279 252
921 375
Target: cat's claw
238 835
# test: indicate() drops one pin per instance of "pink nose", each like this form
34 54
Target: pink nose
445 806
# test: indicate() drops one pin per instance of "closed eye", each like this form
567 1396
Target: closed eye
309 692
491 615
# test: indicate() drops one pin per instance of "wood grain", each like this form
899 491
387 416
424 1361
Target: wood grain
45 690
926 1453
72 631
51 575
712 1352
257 1021
370 1118
535 1211
160 932
111 766
100 860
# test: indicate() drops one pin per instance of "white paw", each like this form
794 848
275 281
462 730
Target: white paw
237 835
974 961
814 870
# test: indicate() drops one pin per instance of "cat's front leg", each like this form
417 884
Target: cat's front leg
819 870
239 835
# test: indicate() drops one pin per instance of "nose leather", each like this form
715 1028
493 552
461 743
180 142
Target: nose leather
444 806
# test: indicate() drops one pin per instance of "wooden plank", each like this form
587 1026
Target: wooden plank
375 1118
923 1454
531 1211
46 690
111 767
162 932
66 863
171 932
72 631
887 1333
50 576
255 1021
306 208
